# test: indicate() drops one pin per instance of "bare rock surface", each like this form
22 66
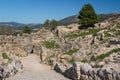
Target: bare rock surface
33 70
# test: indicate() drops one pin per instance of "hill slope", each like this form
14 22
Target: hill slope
19 25
73 19
68 20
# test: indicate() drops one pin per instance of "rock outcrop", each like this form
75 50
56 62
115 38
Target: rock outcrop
84 71
9 65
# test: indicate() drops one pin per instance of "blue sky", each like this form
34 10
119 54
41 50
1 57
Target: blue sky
37 11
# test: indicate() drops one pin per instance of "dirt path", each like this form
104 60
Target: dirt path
33 70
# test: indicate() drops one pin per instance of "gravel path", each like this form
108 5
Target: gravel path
33 70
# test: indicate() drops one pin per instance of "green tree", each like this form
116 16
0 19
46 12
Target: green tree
53 24
46 24
27 29
87 16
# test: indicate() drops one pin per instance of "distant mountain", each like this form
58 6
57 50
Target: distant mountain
74 19
68 20
65 21
19 25
103 17
35 25
13 24
6 29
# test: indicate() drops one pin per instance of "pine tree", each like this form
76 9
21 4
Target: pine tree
27 29
53 24
47 24
87 16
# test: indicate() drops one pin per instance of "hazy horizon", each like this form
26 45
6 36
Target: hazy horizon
37 11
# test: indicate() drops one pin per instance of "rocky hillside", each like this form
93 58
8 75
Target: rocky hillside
6 30
68 20
85 54
78 54
103 17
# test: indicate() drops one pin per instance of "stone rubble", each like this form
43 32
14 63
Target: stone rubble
9 67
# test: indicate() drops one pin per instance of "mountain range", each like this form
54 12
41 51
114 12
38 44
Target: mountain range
19 25
65 21
74 19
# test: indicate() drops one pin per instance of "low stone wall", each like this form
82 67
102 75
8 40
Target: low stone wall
84 71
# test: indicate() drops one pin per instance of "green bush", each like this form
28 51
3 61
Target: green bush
102 56
27 29
70 52
71 36
5 56
51 44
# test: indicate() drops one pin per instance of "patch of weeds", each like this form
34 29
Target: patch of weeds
85 61
70 52
5 56
102 56
107 34
83 34
71 61
72 35
117 33
51 44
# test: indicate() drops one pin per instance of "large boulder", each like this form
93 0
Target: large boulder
71 73
85 68
79 56
10 66
1 73
19 66
59 67
101 64
66 57
77 67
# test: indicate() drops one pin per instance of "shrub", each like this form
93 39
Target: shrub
5 56
46 24
27 29
51 44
